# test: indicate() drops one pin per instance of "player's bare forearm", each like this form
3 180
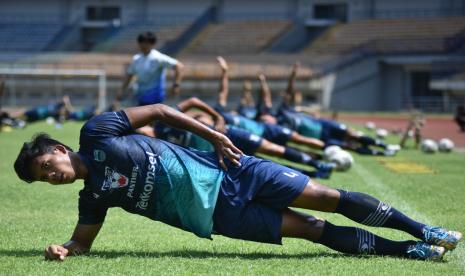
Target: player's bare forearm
224 82
289 97
178 73
80 243
194 102
177 79
121 94
292 77
143 115
265 91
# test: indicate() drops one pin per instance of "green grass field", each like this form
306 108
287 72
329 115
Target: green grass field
33 216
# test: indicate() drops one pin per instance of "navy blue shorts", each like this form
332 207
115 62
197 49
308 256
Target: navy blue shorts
332 130
277 134
252 198
247 142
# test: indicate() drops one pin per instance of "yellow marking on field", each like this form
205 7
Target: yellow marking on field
404 166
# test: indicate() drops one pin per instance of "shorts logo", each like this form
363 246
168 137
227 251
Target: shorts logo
99 155
114 180
290 174
286 131
254 138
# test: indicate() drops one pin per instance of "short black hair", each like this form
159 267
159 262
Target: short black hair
147 37
40 144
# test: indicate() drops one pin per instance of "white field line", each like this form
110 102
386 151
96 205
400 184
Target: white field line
390 196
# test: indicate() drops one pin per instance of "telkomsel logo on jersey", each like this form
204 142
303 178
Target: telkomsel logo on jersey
114 180
149 182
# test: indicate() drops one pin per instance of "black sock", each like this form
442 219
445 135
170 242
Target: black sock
353 240
367 151
367 140
299 157
368 210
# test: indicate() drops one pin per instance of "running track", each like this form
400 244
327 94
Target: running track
436 128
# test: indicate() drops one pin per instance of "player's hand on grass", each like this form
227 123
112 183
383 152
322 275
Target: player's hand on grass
225 148
55 253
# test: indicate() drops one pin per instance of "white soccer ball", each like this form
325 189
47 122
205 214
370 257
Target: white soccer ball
446 145
370 125
342 159
50 120
429 146
330 151
381 133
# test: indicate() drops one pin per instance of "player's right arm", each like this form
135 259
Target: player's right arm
144 115
265 92
80 243
195 102
121 93
290 90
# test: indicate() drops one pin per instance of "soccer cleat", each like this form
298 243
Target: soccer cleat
324 170
442 237
426 252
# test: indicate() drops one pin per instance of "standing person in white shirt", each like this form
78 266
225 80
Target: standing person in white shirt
149 67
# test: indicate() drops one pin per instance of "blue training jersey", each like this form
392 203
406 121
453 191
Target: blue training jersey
239 121
247 142
146 176
301 123
182 137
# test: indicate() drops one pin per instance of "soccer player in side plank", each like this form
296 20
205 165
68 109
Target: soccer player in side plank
225 192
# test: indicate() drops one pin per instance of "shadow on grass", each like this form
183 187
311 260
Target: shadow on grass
188 254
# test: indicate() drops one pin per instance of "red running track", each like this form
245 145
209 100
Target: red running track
436 128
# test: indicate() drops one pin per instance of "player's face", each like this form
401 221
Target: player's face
54 167
145 46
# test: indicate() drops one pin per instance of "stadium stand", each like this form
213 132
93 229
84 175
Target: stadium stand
27 37
389 35
124 40
237 37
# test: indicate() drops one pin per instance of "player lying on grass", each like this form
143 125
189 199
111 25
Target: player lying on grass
328 131
271 132
248 143
85 113
55 110
242 197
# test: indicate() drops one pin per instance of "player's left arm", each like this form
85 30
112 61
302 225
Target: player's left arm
195 102
177 78
143 115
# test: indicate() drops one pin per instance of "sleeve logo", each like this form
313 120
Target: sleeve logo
99 155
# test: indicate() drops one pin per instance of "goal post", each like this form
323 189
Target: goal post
99 74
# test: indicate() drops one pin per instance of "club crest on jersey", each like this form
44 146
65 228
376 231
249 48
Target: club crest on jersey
114 180
99 155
